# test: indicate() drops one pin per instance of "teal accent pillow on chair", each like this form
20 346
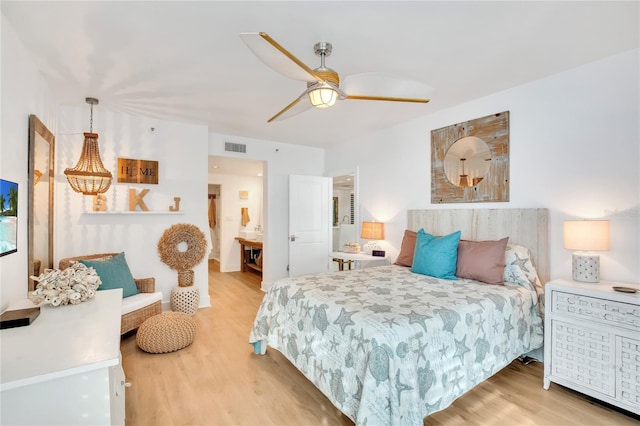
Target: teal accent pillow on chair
114 273
436 256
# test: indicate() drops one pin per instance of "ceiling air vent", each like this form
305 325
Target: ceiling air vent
235 147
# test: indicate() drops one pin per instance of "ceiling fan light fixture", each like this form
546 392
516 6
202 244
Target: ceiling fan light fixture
323 83
323 96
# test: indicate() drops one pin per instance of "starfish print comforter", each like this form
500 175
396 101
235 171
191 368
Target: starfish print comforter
389 347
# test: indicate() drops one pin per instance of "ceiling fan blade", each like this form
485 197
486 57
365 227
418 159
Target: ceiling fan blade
386 98
278 58
300 104
386 87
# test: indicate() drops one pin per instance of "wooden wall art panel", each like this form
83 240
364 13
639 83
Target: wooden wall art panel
137 171
494 185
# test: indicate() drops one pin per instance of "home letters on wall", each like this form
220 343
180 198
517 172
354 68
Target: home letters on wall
99 203
470 161
135 200
137 171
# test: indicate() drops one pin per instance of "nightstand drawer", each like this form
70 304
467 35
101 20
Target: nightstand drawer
593 308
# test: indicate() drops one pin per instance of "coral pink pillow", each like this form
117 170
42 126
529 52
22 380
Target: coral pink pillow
482 260
405 258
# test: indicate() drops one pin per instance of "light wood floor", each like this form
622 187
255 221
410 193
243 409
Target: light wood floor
218 381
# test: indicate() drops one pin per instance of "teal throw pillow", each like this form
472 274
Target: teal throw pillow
114 273
436 256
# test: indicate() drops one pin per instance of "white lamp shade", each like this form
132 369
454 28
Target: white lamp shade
586 235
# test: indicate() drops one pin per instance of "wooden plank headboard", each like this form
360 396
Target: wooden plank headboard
526 227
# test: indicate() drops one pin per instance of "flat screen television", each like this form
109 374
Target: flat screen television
8 217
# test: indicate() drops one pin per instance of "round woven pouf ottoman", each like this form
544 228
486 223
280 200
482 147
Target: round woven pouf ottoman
166 332
185 299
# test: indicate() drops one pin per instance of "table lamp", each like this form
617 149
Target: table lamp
374 232
586 236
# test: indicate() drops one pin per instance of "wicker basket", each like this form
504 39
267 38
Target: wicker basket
185 278
351 248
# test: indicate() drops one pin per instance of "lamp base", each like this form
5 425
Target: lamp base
370 247
586 267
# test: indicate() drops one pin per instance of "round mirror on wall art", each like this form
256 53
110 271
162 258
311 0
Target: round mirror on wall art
467 161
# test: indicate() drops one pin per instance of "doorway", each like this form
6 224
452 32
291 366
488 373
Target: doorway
239 206
214 221
345 209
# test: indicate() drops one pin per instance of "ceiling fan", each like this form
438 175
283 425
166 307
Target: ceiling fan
323 84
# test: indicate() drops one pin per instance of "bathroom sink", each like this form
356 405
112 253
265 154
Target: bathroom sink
248 235
251 235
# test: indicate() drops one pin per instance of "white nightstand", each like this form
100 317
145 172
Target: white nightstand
592 341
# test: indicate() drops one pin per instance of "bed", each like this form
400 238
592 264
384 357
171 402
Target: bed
389 346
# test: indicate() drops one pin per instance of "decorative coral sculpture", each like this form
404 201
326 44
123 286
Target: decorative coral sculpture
74 285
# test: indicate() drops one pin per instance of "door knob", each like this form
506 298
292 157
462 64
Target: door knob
292 238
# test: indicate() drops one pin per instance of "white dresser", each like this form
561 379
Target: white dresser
592 341
64 369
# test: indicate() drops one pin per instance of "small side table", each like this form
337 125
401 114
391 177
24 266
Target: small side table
358 260
342 262
185 299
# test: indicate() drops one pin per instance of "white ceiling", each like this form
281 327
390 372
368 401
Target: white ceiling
184 61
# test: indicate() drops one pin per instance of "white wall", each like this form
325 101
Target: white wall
281 160
574 149
180 149
24 92
229 211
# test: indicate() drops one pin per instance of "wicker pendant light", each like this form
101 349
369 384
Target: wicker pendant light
89 176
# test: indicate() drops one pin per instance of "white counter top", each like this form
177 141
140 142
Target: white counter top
355 256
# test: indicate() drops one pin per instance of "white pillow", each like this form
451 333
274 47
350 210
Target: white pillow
520 270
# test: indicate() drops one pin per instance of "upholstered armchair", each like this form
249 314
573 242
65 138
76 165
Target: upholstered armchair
136 308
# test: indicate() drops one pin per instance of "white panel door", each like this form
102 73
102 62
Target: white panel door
309 224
